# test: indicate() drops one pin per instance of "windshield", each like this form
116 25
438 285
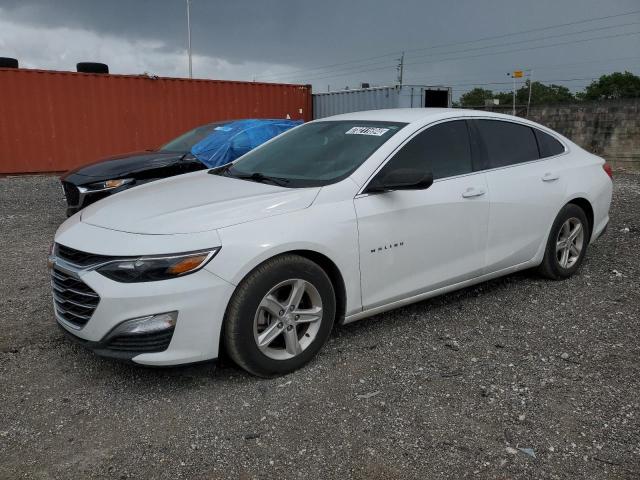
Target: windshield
187 140
315 154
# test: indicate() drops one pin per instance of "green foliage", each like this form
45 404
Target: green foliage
614 86
476 97
544 94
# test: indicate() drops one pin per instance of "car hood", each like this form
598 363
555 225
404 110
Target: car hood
121 165
191 203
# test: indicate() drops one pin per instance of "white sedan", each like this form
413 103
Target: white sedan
334 221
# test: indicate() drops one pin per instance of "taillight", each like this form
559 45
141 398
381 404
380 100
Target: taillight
608 170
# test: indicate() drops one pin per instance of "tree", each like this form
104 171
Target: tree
614 86
475 97
542 94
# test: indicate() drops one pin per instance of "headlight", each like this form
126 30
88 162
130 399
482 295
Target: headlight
110 184
156 267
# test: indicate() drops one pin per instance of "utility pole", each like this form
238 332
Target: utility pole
515 74
189 37
530 87
400 69
513 110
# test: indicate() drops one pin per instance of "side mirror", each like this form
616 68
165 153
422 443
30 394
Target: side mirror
400 179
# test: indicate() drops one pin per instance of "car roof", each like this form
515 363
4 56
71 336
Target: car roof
410 115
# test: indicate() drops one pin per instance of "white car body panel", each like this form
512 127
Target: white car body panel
76 234
449 241
522 204
199 298
303 230
418 240
198 202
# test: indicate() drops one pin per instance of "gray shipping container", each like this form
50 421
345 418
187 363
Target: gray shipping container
405 96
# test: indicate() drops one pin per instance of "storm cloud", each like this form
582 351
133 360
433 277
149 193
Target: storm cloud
288 40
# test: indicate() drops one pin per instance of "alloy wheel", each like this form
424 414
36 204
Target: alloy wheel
570 242
288 319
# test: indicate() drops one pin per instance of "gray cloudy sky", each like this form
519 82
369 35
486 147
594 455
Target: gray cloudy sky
287 40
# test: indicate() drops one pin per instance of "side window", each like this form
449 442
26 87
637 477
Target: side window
548 145
507 143
442 149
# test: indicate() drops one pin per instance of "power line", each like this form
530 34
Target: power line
534 48
292 72
509 82
539 29
347 70
441 78
534 39
464 90
350 70
480 55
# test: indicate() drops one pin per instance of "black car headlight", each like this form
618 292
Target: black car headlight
110 184
156 267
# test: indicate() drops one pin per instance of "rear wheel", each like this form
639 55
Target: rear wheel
280 316
567 244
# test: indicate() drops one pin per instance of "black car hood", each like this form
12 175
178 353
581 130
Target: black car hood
120 166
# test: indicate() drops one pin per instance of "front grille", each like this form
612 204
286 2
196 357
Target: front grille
72 193
81 259
147 343
74 300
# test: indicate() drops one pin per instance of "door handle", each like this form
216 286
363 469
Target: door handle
550 177
473 192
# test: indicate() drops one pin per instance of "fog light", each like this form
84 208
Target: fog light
143 325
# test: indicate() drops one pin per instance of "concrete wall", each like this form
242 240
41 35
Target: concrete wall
608 129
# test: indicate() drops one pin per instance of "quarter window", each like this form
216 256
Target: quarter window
548 145
442 149
507 143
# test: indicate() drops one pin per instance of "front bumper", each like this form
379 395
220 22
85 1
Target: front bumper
200 300
101 348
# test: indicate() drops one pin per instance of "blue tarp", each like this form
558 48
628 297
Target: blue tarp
231 140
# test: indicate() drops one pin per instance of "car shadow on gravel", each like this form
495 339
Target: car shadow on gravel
453 300
224 369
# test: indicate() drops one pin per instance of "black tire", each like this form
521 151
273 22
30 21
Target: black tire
92 67
7 62
550 266
238 326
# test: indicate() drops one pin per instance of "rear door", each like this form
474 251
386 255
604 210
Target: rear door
526 190
412 241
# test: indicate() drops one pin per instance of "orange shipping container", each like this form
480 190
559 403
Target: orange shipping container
52 121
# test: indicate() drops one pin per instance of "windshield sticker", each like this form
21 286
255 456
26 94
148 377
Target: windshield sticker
375 131
224 129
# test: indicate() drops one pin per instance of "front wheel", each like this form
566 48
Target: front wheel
280 316
567 244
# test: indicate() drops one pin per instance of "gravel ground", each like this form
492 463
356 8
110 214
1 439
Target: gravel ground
515 378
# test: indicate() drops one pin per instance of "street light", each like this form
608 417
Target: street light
189 37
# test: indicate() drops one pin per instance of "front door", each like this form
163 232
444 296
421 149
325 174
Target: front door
413 241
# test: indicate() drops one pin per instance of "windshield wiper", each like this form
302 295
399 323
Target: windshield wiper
254 177
224 169
261 178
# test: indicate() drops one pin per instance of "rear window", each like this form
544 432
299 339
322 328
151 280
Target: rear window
548 145
507 143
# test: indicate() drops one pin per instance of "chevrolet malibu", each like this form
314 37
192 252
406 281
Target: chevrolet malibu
334 221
